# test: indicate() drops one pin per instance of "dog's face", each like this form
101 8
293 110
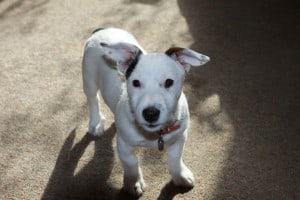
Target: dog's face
154 87
154 81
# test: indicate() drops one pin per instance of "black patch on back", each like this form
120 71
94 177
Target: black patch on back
132 65
98 29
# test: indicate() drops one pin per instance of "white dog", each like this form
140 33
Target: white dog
144 91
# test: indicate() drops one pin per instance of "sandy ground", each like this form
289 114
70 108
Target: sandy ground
244 137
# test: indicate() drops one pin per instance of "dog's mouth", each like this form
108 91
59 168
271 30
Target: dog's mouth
151 127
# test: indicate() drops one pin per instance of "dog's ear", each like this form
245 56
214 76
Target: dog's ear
124 54
187 57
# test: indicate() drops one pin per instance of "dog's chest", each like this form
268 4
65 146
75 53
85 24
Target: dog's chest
143 139
154 140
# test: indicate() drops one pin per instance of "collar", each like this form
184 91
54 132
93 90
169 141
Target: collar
168 130
160 141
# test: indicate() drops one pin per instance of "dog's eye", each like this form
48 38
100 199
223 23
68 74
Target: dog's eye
168 83
136 83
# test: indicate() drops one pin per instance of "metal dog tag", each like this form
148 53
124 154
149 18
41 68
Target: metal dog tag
160 143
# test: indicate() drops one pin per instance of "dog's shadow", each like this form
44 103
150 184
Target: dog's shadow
170 190
91 181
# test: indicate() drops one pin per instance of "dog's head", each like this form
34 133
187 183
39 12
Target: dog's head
154 81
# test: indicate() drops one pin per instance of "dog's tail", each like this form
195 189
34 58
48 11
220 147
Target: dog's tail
98 29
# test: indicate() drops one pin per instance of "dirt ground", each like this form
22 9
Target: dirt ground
244 136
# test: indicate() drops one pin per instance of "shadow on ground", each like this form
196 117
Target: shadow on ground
91 181
170 190
254 46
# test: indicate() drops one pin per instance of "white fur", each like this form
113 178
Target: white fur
107 55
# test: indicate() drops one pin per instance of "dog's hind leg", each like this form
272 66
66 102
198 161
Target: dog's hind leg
96 123
90 66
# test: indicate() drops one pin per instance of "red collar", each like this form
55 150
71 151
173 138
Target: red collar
169 129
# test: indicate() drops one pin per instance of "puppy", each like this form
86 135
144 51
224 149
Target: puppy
145 93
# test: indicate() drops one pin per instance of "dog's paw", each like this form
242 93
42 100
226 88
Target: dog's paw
184 179
97 129
136 189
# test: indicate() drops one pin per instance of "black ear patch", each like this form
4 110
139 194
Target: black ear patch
133 64
98 29
173 50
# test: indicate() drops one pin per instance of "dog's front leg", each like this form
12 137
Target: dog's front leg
133 178
181 175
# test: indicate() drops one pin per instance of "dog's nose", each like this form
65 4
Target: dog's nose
151 114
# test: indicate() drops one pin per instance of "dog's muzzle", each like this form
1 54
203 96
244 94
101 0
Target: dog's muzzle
151 114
